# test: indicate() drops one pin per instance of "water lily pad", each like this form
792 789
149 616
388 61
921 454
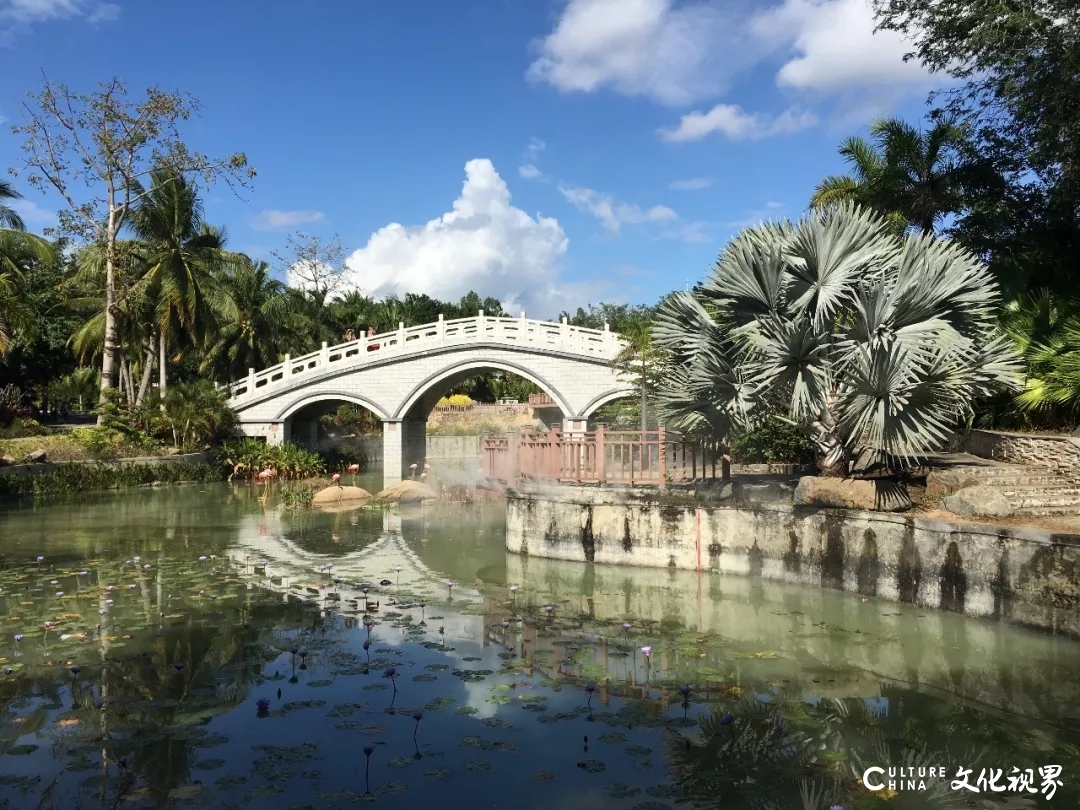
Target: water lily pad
22 750
441 702
621 791
613 737
209 764
401 762
543 776
375 687
393 788
592 766
478 766
638 751
437 773
424 677
466 710
185 792
320 683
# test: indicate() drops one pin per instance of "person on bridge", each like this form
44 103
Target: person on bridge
370 334
350 335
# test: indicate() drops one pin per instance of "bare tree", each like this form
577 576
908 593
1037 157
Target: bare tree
109 143
313 263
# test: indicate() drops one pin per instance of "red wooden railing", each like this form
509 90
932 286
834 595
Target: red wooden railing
598 457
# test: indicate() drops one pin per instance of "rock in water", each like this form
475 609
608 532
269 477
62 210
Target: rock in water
407 491
332 496
979 500
852 493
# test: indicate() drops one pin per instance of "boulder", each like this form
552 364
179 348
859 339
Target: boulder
407 491
978 501
334 495
37 457
940 483
874 494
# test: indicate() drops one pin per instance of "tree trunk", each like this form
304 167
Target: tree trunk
120 379
644 399
108 357
162 362
129 382
148 367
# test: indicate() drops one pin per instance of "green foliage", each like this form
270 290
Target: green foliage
344 456
297 497
876 345
78 390
352 420
72 479
246 458
22 427
771 440
196 414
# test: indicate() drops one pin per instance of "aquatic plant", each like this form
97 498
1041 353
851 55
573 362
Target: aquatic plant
417 716
590 689
368 751
179 666
262 707
391 673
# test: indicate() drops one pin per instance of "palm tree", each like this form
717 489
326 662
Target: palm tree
876 345
912 177
1045 330
256 318
18 250
639 360
181 253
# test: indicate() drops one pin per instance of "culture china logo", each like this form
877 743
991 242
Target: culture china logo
989 780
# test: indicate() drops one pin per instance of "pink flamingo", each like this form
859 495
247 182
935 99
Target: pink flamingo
413 467
266 475
354 469
336 478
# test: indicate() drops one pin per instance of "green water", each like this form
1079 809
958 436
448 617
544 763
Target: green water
180 608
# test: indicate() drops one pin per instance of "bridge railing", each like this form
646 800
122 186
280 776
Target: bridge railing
480 329
599 456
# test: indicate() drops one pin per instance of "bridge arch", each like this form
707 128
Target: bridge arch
306 399
458 372
609 396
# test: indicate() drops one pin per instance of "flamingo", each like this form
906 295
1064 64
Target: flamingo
423 475
413 467
266 475
354 469
336 478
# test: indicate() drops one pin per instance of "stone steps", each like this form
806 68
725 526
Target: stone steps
1028 490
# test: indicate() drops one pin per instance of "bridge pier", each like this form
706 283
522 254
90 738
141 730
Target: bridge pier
404 443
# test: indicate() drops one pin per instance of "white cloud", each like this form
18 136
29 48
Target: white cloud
769 212
17 15
529 172
533 150
273 220
691 184
674 55
484 244
732 122
613 214
835 47
33 214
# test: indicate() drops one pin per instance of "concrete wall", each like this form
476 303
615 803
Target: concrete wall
1059 453
1025 576
455 448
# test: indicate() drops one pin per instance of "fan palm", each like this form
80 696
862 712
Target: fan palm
875 344
912 177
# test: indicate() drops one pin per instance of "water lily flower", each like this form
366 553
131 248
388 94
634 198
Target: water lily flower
684 690
369 622
262 707
646 650
109 587
75 670
59 593
179 666
510 648
53 581
99 703
397 568
369 750
137 558
46 625
727 718
8 670
40 559
590 688
18 637
450 586
294 650
83 573
146 567
513 589
549 608
202 558
505 624
132 586
110 602
101 612
626 627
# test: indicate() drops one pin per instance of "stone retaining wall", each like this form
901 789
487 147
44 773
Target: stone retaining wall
1058 453
1024 576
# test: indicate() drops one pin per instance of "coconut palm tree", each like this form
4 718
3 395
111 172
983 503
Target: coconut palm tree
638 360
876 345
181 252
18 250
256 320
912 177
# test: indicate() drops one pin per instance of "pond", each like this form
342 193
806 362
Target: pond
197 646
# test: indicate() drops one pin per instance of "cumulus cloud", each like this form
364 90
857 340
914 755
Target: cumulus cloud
734 123
272 219
483 243
612 214
684 51
653 48
690 184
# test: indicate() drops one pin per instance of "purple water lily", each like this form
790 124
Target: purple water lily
41 559
626 627
18 637
684 690
98 703
727 719
75 670
59 593
262 707
590 688
450 587
548 609
391 673
646 650
179 665
417 716
368 751
505 624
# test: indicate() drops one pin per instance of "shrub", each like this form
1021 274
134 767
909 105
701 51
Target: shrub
461 400
297 497
771 440
245 458
352 420
22 427
72 479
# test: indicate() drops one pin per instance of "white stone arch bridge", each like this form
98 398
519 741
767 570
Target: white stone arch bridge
400 375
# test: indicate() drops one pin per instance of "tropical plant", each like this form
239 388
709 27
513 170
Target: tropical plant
876 345
197 413
246 458
1045 329
17 250
640 361
912 177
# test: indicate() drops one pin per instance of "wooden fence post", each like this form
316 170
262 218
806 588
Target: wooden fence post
601 453
662 461
554 454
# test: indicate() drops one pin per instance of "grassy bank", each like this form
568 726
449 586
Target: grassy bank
73 479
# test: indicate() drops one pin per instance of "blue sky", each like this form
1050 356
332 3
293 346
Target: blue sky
548 152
